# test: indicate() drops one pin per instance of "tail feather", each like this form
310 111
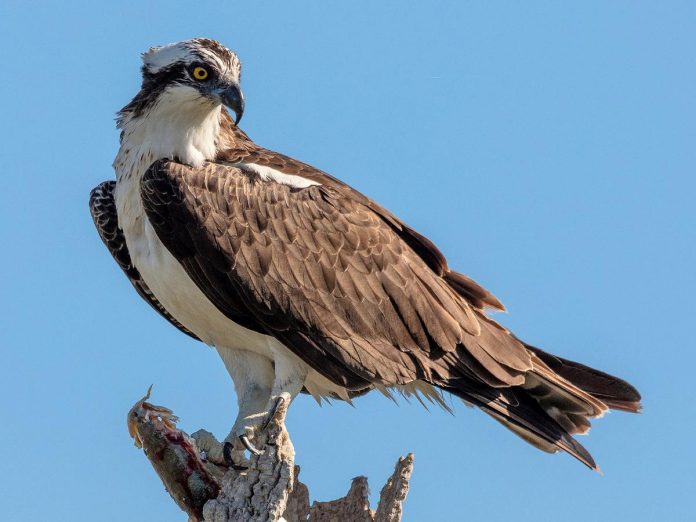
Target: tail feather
568 405
519 412
557 399
616 393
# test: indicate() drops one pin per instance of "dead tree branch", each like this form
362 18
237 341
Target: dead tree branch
268 491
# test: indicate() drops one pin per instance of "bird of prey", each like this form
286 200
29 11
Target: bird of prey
302 283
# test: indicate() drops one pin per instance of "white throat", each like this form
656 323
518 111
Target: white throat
179 125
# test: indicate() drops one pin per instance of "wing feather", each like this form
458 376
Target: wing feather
322 271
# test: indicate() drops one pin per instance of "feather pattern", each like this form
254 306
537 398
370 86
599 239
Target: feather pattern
361 297
371 302
285 250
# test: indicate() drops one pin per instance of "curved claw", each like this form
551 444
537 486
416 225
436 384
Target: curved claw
279 401
227 449
248 445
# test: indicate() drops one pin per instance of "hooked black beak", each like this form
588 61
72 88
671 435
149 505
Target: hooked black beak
233 98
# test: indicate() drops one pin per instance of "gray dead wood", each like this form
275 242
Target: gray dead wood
270 491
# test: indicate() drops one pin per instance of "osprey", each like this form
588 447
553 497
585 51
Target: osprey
300 282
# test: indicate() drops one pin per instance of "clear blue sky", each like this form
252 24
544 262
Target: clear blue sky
547 148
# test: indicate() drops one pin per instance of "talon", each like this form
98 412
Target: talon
248 445
279 401
227 455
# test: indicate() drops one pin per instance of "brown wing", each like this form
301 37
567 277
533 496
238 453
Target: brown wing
327 275
475 294
103 210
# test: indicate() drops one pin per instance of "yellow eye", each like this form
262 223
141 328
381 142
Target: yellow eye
200 73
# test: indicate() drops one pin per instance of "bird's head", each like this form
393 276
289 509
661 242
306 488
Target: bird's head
193 74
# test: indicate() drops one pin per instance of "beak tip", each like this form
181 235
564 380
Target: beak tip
233 98
239 110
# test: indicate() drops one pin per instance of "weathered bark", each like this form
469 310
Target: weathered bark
393 494
268 491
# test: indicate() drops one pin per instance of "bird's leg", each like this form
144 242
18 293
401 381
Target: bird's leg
253 378
260 384
290 376
252 399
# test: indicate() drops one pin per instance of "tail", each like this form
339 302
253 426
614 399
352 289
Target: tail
556 401
616 393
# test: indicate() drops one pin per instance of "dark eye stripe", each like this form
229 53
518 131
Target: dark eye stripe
155 82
